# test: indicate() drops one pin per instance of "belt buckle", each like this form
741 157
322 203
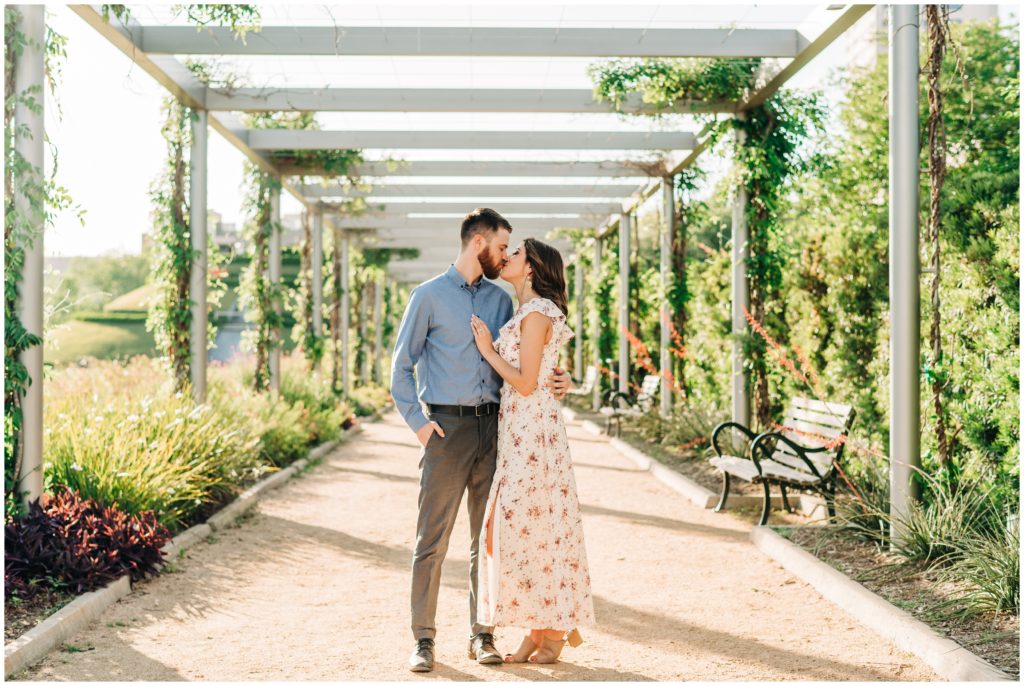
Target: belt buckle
477 411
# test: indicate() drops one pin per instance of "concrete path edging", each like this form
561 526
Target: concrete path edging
949 659
61 625
80 612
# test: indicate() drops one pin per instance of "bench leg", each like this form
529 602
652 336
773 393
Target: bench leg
785 500
725 492
767 504
830 502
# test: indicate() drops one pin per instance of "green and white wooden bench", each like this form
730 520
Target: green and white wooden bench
624 405
802 455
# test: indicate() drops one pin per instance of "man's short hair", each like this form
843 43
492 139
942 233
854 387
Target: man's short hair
484 221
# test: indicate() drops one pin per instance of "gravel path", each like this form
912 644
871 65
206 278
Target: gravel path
314 586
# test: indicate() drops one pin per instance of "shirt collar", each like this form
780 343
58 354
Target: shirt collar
456 278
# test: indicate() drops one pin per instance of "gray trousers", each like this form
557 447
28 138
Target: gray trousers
463 460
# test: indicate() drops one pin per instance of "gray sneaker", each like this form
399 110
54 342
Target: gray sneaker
422 659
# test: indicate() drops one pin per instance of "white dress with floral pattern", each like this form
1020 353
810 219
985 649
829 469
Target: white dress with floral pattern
537 576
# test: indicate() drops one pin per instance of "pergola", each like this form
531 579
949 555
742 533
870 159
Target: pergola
588 178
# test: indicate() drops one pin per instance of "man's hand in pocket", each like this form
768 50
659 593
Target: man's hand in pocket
424 433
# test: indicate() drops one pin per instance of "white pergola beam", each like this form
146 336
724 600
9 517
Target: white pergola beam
554 206
440 223
568 169
475 41
564 100
292 139
483 191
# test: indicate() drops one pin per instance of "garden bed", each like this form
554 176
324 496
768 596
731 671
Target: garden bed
22 614
911 587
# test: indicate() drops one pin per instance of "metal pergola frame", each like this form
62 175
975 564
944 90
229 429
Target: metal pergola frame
154 49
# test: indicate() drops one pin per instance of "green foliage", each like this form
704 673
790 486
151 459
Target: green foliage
370 399
241 19
665 84
159 453
89 283
990 564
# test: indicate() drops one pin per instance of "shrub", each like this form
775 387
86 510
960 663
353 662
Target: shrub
79 544
369 400
989 562
160 453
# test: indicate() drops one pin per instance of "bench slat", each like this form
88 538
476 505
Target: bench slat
823 460
790 460
745 469
819 418
799 425
818 406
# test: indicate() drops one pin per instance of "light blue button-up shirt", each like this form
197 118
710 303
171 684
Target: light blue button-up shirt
435 339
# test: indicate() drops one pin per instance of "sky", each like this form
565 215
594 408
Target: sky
107 126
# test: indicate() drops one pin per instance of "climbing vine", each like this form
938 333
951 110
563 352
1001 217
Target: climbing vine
257 295
170 316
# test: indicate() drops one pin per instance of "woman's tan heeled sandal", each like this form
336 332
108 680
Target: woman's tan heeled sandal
549 650
526 649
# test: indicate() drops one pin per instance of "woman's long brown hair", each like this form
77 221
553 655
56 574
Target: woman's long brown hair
548 272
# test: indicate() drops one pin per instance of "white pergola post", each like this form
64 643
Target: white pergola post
595 333
577 360
29 75
740 300
317 271
198 270
378 329
274 268
904 266
364 331
346 305
668 213
625 231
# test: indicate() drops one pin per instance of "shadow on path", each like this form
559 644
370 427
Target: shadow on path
626 622
667 523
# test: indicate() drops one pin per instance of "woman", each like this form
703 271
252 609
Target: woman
534 565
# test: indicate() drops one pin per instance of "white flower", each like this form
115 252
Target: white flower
77 467
123 474
132 418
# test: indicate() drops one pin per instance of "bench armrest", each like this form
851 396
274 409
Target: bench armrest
725 425
801 451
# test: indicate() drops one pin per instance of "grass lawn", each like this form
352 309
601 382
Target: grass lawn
75 339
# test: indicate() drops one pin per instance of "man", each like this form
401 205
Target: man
459 433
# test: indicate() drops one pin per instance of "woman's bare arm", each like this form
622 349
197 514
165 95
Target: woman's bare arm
536 331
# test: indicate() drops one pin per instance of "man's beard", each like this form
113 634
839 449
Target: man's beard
489 264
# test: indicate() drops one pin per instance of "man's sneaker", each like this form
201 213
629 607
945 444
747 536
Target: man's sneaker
481 649
422 659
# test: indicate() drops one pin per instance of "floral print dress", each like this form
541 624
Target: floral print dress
536 575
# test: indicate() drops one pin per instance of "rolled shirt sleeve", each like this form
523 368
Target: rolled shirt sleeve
412 336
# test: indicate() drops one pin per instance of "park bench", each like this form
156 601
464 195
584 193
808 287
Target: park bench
587 387
624 405
802 455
